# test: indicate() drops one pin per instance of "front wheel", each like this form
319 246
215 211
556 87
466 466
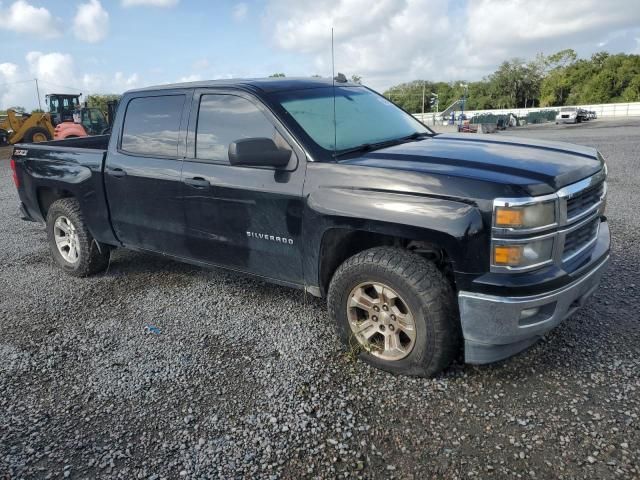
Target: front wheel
37 135
398 309
72 245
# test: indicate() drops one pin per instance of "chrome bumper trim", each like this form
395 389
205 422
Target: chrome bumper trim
494 327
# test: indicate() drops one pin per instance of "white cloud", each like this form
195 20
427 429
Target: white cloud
56 69
116 83
240 11
391 41
22 17
191 78
149 3
56 73
201 64
13 91
526 27
91 22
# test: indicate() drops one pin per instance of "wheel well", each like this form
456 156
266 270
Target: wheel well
46 197
340 244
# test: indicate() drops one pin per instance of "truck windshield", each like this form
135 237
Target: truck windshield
362 117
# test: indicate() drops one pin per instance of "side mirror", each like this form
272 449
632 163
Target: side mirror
261 152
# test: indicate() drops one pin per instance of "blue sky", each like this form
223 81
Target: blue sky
102 46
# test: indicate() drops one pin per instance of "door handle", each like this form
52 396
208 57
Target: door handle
197 182
117 172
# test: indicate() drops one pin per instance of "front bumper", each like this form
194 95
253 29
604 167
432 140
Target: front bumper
497 327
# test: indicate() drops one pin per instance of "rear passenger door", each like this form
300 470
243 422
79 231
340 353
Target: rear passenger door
245 218
143 172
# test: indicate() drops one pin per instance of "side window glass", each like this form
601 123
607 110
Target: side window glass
152 126
223 119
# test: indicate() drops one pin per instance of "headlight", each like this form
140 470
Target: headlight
522 255
524 217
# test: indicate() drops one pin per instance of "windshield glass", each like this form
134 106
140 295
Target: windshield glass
362 117
568 109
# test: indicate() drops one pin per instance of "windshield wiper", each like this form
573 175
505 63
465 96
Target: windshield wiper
367 147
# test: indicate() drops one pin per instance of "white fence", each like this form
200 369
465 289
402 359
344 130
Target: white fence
612 110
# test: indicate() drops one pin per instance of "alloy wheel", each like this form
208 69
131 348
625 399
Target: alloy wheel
66 238
381 321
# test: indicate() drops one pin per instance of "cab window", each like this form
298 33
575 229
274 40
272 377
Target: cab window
223 119
152 126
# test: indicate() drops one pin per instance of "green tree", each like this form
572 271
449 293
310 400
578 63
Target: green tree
356 78
277 75
558 79
18 109
100 101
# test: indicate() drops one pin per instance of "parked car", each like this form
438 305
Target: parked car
423 244
570 115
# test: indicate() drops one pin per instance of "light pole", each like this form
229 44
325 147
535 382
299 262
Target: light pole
434 101
464 99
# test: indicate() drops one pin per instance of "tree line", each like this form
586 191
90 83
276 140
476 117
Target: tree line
546 81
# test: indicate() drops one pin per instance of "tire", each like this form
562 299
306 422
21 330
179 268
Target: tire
34 135
423 291
89 259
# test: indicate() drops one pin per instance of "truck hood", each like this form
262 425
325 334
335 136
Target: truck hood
537 166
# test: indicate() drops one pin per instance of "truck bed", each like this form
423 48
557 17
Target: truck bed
71 167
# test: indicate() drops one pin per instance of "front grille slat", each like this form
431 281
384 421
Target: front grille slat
584 200
579 238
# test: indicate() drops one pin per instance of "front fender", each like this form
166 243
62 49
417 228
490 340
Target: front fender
454 226
453 218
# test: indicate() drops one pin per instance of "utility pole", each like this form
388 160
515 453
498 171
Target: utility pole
423 88
38 92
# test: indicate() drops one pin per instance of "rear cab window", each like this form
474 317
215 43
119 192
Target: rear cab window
152 126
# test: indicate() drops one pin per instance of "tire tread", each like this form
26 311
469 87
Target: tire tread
427 282
92 260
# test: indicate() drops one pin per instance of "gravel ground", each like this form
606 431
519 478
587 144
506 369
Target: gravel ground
247 380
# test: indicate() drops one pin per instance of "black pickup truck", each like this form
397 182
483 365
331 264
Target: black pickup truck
423 244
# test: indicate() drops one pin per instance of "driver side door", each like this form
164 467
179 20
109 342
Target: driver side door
247 218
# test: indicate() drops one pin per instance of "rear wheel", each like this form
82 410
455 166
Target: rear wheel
397 309
71 243
37 135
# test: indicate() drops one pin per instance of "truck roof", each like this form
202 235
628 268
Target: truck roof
267 85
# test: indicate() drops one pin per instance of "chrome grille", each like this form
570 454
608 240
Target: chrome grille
584 201
579 239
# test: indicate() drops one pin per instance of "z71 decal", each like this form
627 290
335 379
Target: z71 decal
20 153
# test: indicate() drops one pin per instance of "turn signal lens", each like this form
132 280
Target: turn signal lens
505 255
523 255
509 217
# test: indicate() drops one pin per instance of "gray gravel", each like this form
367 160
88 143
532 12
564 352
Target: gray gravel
247 380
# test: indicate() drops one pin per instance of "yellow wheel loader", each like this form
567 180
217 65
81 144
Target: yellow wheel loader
26 128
